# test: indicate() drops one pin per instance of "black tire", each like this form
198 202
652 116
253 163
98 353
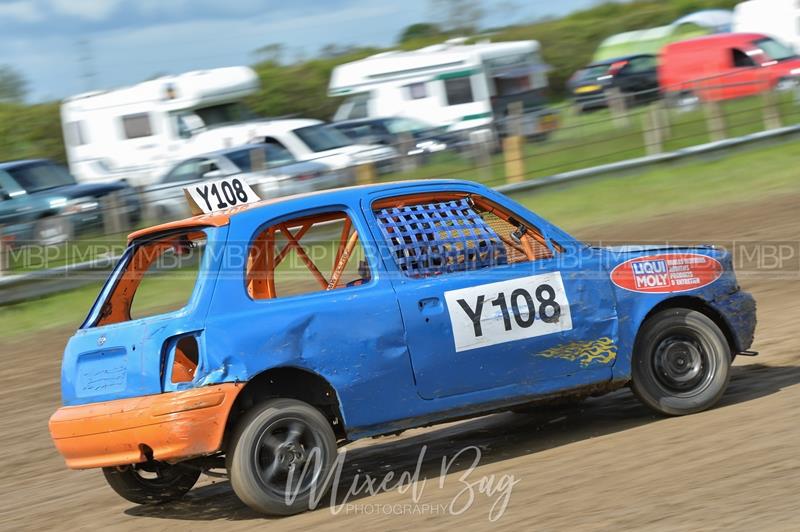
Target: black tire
681 362
151 483
272 439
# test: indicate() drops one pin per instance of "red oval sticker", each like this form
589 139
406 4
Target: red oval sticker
660 274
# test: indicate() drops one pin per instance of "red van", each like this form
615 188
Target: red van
726 65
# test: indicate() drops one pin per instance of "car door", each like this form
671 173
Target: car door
744 77
473 324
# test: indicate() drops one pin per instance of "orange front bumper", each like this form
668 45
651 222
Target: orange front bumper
173 425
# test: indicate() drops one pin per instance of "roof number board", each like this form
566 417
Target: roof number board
212 196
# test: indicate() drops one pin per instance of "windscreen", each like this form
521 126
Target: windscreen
592 72
224 113
774 49
322 137
34 177
270 154
406 125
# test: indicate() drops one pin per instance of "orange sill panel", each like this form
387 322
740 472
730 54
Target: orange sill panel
175 425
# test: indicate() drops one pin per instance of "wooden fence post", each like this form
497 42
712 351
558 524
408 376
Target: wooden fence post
618 107
715 120
664 122
772 116
115 221
513 144
258 159
652 131
405 143
481 152
515 167
4 261
365 174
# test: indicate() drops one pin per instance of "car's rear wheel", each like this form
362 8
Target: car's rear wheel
681 362
280 457
151 483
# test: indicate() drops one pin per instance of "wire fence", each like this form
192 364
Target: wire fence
514 148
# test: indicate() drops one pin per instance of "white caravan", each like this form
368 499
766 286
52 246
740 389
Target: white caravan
457 85
777 18
139 132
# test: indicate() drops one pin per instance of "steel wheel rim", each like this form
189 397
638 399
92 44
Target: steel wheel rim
286 463
682 365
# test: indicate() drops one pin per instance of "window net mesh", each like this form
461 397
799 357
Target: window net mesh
443 237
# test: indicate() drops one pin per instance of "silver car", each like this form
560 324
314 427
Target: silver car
268 168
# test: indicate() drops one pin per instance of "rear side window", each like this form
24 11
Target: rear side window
158 277
454 233
640 64
458 91
310 254
136 126
186 171
417 91
741 59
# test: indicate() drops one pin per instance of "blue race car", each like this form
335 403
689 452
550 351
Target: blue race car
311 321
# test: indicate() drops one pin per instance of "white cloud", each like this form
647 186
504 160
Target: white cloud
86 9
20 12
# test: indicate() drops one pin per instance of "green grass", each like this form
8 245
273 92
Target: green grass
748 173
591 139
734 176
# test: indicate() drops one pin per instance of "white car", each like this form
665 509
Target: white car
313 140
269 169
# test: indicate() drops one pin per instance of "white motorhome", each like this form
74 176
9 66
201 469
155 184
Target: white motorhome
139 132
777 18
458 85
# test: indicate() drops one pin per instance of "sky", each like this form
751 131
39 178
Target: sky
63 47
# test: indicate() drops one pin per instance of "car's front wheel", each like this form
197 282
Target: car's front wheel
681 362
280 457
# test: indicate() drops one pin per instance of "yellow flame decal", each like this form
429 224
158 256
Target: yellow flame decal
602 350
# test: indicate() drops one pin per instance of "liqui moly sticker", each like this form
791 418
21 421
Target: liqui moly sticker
660 274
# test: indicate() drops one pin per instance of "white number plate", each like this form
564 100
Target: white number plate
495 313
211 196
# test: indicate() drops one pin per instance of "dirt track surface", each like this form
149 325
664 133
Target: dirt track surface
608 464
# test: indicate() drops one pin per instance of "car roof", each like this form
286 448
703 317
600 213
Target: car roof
340 195
293 123
356 121
615 59
718 39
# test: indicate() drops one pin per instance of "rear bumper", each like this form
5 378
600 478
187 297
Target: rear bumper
173 426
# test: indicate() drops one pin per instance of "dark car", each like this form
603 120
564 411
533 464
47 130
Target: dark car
40 202
422 138
635 76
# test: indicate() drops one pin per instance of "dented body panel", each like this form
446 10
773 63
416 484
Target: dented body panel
396 350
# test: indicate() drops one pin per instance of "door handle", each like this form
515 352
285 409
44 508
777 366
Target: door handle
430 305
